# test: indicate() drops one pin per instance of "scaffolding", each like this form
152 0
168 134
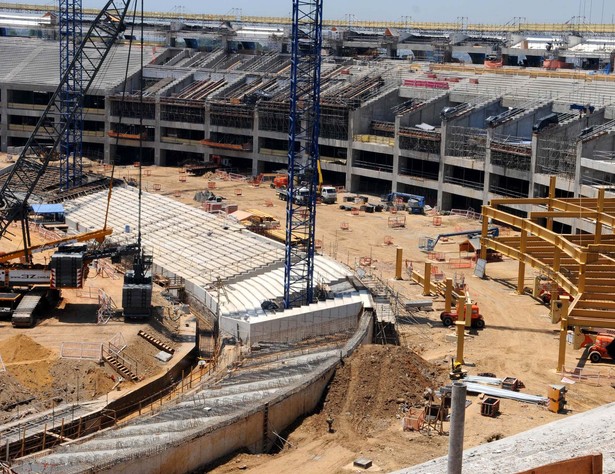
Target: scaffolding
273 117
231 115
467 142
182 111
133 107
411 138
556 156
334 122
511 152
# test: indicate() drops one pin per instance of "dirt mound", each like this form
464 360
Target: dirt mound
375 385
21 348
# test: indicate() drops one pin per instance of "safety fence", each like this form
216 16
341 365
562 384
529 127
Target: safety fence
590 375
82 350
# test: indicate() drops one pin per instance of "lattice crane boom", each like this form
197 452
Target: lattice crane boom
72 95
45 139
303 152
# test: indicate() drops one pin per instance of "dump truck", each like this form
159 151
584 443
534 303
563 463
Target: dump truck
301 195
449 317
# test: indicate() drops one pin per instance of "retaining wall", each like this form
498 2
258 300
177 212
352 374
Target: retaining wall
245 430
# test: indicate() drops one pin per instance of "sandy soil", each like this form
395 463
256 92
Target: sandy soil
519 341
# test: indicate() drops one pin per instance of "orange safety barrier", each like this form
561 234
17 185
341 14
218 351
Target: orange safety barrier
157 187
148 172
365 261
318 243
388 240
437 221
393 210
211 185
438 256
354 211
460 263
238 192
344 226
177 194
182 179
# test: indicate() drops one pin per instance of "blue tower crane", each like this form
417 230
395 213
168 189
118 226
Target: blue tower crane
303 153
71 95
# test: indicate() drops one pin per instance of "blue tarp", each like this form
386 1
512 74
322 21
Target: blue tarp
48 208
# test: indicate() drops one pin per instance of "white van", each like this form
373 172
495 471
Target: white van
328 195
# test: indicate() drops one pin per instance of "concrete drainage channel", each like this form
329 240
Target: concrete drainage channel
245 409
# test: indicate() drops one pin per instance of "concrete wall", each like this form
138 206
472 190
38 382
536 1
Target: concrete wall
243 431
297 324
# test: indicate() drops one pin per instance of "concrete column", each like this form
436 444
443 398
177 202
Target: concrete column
443 140
206 125
533 161
577 179
349 153
157 132
455 440
255 143
395 156
490 132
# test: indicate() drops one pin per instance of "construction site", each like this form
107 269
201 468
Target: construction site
199 276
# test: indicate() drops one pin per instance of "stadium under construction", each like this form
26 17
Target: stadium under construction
464 115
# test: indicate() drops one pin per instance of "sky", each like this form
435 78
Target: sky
468 11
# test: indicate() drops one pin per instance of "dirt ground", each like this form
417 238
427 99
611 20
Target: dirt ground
365 396
519 341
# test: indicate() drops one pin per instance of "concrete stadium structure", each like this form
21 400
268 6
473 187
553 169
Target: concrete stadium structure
281 381
460 136
212 254
457 135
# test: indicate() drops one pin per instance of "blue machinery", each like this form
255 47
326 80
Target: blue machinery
303 152
427 244
71 94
